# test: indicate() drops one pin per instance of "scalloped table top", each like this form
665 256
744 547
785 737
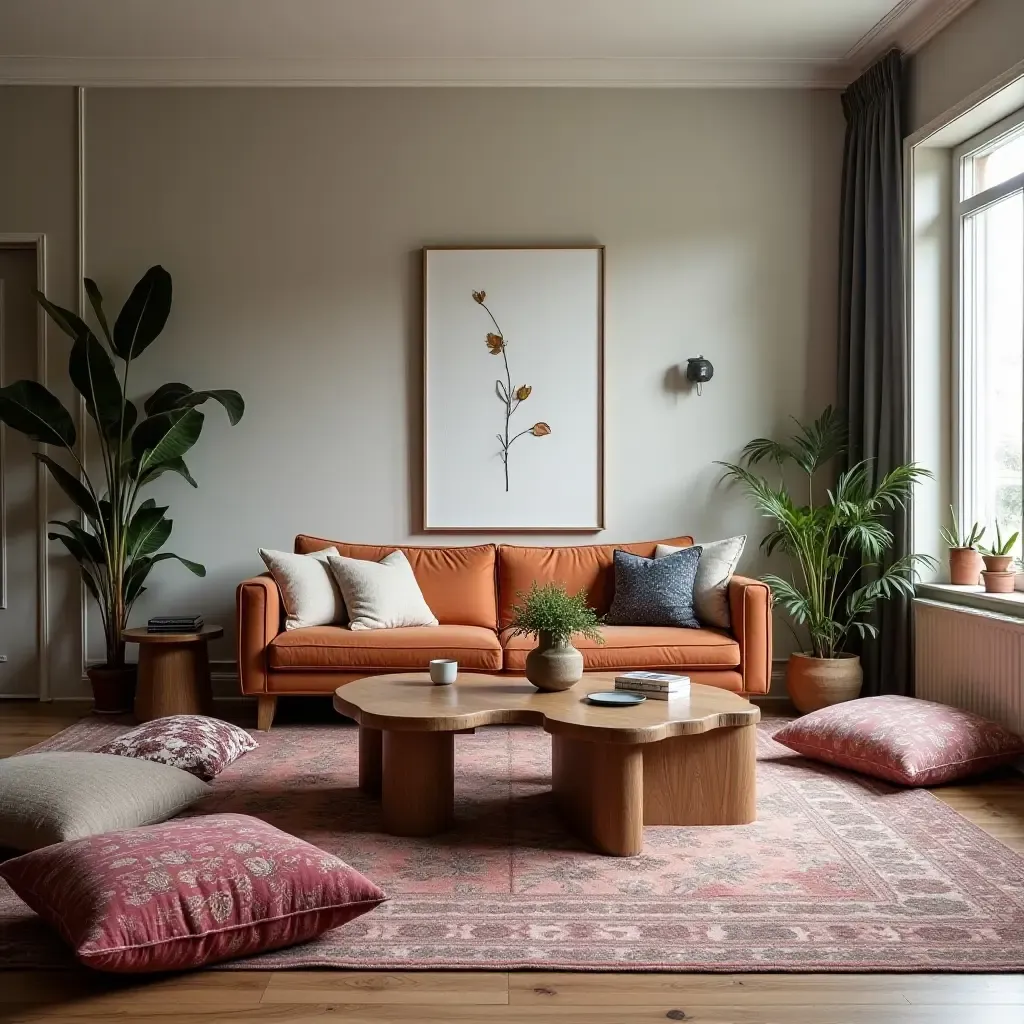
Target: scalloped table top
410 702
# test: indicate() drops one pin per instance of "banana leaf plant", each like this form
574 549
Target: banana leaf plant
117 542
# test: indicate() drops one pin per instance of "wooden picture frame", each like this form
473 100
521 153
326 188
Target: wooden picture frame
502 454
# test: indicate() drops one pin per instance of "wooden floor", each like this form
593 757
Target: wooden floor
298 997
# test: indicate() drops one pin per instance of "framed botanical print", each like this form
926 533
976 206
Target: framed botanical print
513 409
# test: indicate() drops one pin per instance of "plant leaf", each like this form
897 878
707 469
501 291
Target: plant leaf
92 373
183 433
70 323
148 530
169 397
96 301
26 406
71 486
170 466
144 314
540 429
91 544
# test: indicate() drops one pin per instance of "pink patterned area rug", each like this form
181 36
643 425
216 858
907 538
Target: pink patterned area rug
839 872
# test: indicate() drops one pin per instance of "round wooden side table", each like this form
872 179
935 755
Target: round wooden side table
174 672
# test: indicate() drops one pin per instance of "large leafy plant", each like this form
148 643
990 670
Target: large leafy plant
823 537
119 540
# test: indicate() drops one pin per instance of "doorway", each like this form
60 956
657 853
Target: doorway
20 654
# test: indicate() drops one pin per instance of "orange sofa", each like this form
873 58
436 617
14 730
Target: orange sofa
470 590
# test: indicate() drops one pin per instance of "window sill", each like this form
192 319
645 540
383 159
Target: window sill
1010 606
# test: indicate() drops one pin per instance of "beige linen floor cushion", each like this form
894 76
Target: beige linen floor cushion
56 796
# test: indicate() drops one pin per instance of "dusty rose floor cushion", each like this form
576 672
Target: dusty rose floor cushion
188 892
904 740
197 744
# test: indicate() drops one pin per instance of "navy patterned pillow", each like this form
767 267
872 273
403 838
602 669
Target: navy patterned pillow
655 591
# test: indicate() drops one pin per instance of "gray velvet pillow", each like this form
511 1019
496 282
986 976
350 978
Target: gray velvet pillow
53 797
655 592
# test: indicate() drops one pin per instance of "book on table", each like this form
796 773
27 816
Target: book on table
658 685
175 624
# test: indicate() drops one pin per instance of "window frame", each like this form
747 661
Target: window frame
964 398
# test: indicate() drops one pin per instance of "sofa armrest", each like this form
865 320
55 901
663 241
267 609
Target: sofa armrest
750 606
259 621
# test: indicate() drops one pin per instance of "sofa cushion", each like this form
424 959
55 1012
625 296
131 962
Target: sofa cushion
642 647
457 582
580 567
396 650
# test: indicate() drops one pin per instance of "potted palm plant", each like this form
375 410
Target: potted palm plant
821 536
118 539
554 617
998 576
964 558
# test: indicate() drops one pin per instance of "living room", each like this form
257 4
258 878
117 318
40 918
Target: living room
563 342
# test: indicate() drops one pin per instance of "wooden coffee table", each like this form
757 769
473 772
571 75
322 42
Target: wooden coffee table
686 761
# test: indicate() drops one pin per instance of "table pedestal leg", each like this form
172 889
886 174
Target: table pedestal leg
418 783
600 790
174 679
370 757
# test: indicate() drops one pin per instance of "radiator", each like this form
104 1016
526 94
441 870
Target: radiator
970 659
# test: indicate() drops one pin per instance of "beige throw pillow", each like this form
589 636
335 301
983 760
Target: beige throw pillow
309 591
55 796
718 561
380 595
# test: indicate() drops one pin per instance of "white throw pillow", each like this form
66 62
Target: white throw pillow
309 591
380 595
718 561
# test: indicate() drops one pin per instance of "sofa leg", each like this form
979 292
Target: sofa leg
266 705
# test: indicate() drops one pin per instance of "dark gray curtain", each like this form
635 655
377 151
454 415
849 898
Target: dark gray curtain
873 360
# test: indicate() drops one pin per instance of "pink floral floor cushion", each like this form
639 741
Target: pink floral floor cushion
197 744
904 740
188 892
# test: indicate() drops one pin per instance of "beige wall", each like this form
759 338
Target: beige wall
292 222
38 195
981 44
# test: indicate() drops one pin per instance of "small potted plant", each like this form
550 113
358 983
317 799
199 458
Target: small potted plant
998 576
964 557
554 617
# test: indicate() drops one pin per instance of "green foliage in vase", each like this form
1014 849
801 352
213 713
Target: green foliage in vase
551 609
118 540
956 538
822 537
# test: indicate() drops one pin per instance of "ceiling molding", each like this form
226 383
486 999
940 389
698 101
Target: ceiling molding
424 71
908 26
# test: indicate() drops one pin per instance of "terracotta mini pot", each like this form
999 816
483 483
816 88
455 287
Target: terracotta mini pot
999 582
113 689
997 563
815 683
553 666
964 567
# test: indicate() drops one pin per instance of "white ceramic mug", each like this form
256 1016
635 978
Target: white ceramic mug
443 671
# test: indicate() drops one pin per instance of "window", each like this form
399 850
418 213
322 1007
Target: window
989 219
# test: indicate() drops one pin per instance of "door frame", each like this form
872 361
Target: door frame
37 243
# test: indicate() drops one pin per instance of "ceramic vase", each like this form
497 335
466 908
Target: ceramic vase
553 665
113 689
964 567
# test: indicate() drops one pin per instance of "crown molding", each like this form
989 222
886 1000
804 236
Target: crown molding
420 71
908 26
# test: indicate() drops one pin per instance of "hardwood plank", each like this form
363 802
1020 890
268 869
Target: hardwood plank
421 988
736 990
697 1013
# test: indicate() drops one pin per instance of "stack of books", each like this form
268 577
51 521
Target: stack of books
175 624
654 685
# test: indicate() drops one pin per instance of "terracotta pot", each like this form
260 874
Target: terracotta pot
999 582
997 563
553 666
113 689
964 567
814 683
